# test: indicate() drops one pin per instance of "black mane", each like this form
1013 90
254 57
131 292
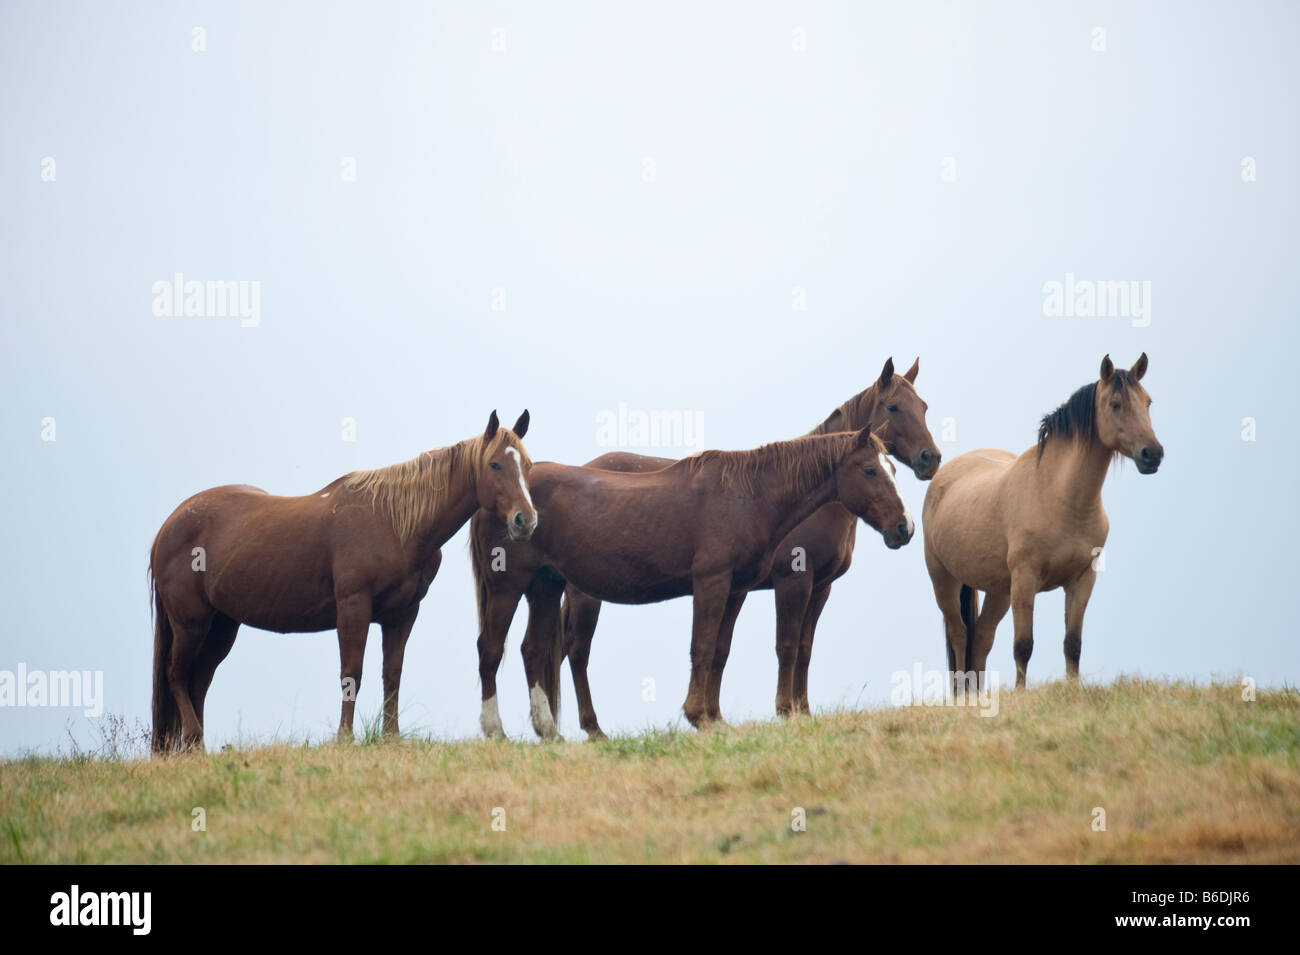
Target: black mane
1077 417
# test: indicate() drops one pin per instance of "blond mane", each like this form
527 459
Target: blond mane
413 492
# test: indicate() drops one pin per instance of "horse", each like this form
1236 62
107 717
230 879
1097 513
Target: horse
707 526
821 548
1015 527
361 550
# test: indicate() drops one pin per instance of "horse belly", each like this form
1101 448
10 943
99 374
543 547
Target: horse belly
1062 567
620 562
633 586
400 597
284 599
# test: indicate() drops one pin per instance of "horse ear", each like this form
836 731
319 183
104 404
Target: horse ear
521 426
887 372
493 425
864 438
1107 369
910 374
1139 367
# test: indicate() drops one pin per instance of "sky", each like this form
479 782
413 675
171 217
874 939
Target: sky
735 211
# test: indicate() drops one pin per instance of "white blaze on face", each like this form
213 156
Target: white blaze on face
888 470
519 469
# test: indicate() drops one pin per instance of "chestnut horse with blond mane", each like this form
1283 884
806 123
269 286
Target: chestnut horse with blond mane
361 550
1015 527
893 410
707 526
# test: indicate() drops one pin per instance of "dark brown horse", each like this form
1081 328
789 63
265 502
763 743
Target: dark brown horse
361 550
813 555
706 526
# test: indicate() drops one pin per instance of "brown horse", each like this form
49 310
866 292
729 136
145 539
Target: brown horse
706 526
1015 527
361 550
813 555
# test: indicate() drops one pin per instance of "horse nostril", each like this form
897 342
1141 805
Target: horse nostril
902 528
519 518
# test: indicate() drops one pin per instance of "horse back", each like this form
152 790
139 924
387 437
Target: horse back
968 478
629 537
626 461
264 560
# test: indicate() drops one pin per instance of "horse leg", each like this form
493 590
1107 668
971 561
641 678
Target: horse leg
581 612
720 653
816 603
709 605
1077 593
354 626
986 627
792 594
187 643
396 631
1024 588
539 644
498 611
947 594
221 637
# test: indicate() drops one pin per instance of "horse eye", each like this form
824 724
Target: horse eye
871 472
495 466
893 409
1114 406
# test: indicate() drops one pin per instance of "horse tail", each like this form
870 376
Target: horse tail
558 653
970 608
565 610
476 561
166 715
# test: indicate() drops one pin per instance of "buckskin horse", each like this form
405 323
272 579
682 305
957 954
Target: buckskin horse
1015 527
707 526
361 550
813 555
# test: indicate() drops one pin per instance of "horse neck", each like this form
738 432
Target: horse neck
458 504
791 505
862 405
1073 473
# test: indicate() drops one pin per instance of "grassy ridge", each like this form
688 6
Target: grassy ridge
1184 774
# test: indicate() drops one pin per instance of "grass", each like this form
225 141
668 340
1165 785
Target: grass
1183 773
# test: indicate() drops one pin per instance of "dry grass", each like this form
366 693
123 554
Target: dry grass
1185 774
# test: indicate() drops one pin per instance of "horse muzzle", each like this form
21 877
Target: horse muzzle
898 535
521 528
1148 458
926 464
